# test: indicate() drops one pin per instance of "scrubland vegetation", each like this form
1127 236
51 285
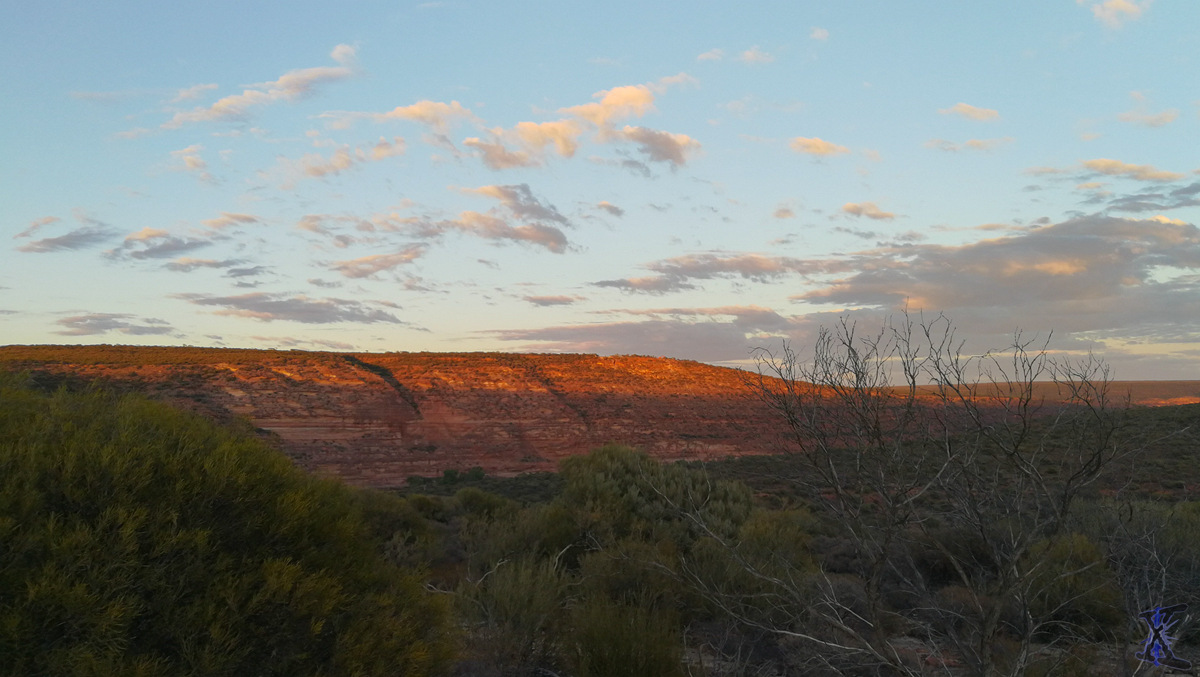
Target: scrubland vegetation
958 534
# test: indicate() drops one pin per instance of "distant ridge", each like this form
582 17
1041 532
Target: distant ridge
377 418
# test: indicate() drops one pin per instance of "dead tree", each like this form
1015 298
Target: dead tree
950 479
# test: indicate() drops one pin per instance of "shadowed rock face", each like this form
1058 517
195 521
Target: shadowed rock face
376 419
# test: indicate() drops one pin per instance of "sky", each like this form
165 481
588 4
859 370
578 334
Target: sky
689 180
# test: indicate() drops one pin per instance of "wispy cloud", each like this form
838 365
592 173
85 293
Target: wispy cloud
675 274
290 86
90 324
610 208
191 93
190 161
1139 172
817 146
155 243
867 209
230 219
315 165
970 112
80 238
552 300
1115 13
969 144
292 308
711 55
1141 116
36 225
820 34
368 266
755 55
438 116
186 264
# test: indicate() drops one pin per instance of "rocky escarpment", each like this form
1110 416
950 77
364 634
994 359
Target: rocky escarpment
376 419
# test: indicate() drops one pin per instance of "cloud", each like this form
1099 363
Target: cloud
712 55
971 112
675 274
292 308
867 209
79 238
228 219
816 146
1150 119
610 208
661 146
520 202
1139 172
784 213
491 227
526 144
368 266
36 225
551 300
316 165
190 93
516 203
969 144
154 243
102 323
819 34
562 134
190 161
292 342
1088 273
438 116
1186 196
755 55
1114 13
705 334
186 264
496 156
291 86
614 104
1140 116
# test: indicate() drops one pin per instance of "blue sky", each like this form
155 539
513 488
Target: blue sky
681 179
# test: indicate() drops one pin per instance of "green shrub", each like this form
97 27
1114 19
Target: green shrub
139 540
610 639
1073 592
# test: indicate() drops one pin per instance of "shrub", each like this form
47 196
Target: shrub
139 540
610 639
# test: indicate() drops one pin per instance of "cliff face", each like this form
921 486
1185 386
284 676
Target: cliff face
376 419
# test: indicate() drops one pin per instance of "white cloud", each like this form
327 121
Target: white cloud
712 55
1114 13
190 161
190 93
817 146
971 112
867 209
1139 172
819 34
755 55
367 266
227 219
289 87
